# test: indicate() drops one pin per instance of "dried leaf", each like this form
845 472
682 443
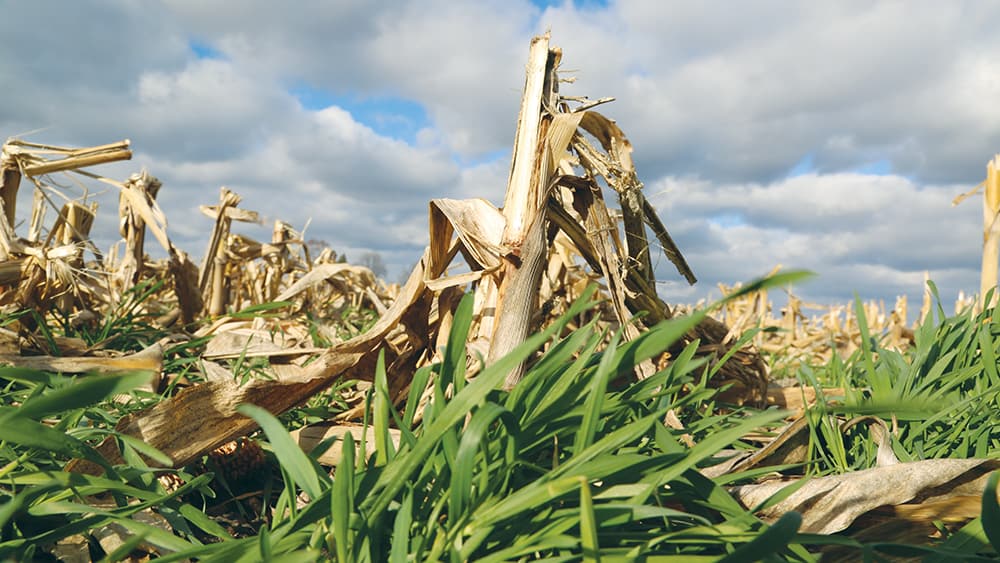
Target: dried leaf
830 504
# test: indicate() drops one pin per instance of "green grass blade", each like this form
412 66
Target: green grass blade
588 525
264 545
400 550
774 539
527 498
155 536
342 500
577 465
87 485
540 398
257 311
381 404
122 551
715 442
654 341
790 277
26 432
202 521
85 391
989 358
866 347
595 397
145 449
454 354
991 511
32 376
969 539
417 386
300 468
22 501
474 437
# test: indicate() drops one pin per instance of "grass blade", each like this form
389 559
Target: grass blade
381 405
84 391
300 468
401 531
588 525
595 397
342 500
474 437
991 511
774 539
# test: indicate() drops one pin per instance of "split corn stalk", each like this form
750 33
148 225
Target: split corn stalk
132 227
10 181
212 282
524 234
70 231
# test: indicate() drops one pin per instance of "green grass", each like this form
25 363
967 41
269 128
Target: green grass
942 394
567 466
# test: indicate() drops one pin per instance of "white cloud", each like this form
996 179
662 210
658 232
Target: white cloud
355 188
210 109
462 61
742 92
858 232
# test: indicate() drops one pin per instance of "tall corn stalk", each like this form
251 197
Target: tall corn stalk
524 208
991 235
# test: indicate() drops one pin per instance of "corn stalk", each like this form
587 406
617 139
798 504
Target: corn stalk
991 236
524 208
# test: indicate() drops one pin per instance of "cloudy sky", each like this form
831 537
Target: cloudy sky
819 135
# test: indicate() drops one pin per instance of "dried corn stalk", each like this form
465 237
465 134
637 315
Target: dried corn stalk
991 235
212 281
47 270
523 239
10 181
132 227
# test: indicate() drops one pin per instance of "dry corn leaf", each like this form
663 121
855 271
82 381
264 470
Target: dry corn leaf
308 437
150 359
255 343
790 446
478 225
830 504
361 275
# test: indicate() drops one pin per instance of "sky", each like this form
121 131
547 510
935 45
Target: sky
829 136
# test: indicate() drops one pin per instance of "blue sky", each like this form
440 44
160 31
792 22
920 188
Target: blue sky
394 117
764 132
203 50
389 116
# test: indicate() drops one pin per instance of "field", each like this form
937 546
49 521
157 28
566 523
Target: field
524 395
